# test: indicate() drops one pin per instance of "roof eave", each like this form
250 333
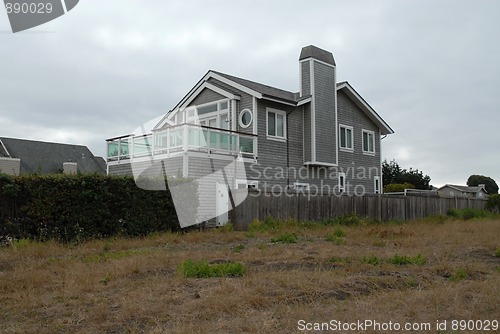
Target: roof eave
365 107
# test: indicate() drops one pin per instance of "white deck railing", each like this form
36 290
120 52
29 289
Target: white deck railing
184 137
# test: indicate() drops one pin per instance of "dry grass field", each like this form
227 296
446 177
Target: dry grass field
416 272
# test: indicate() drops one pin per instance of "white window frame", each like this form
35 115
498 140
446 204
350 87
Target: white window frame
277 112
350 128
240 118
342 182
376 185
249 184
300 185
366 150
219 113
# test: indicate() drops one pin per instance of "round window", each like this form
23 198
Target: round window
246 118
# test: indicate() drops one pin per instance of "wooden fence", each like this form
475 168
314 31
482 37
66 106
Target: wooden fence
258 205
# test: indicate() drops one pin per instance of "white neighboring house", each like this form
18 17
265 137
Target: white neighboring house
451 190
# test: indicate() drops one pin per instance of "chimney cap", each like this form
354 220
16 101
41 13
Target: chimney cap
312 51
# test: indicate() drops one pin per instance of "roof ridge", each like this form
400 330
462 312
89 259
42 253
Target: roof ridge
229 76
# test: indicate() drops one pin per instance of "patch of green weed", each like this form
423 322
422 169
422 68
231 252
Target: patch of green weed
460 274
239 248
373 260
402 260
286 238
379 243
203 269
340 260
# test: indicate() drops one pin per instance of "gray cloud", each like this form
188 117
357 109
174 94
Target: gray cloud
429 68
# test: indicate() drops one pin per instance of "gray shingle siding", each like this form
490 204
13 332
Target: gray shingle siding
272 153
206 96
324 100
307 133
172 166
360 168
305 78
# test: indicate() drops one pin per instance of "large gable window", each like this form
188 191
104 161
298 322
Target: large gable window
276 124
346 140
368 142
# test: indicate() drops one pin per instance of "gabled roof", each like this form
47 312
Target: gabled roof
45 157
363 105
262 91
464 189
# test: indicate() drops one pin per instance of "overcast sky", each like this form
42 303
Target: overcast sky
431 69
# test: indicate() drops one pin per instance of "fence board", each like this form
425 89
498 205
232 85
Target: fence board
302 207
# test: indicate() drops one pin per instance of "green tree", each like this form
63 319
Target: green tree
490 184
393 173
493 203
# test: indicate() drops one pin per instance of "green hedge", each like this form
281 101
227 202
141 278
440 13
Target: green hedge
79 207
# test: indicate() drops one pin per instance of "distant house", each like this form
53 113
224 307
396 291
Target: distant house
29 156
451 190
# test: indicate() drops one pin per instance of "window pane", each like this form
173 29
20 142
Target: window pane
342 137
371 142
112 149
348 133
365 141
271 124
207 109
223 105
224 122
280 127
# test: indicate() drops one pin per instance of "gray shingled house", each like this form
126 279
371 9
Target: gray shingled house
452 190
324 138
30 156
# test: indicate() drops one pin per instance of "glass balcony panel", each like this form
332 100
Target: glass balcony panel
113 149
142 145
246 144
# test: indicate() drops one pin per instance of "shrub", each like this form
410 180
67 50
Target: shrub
71 208
398 187
493 203
469 213
203 269
497 252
